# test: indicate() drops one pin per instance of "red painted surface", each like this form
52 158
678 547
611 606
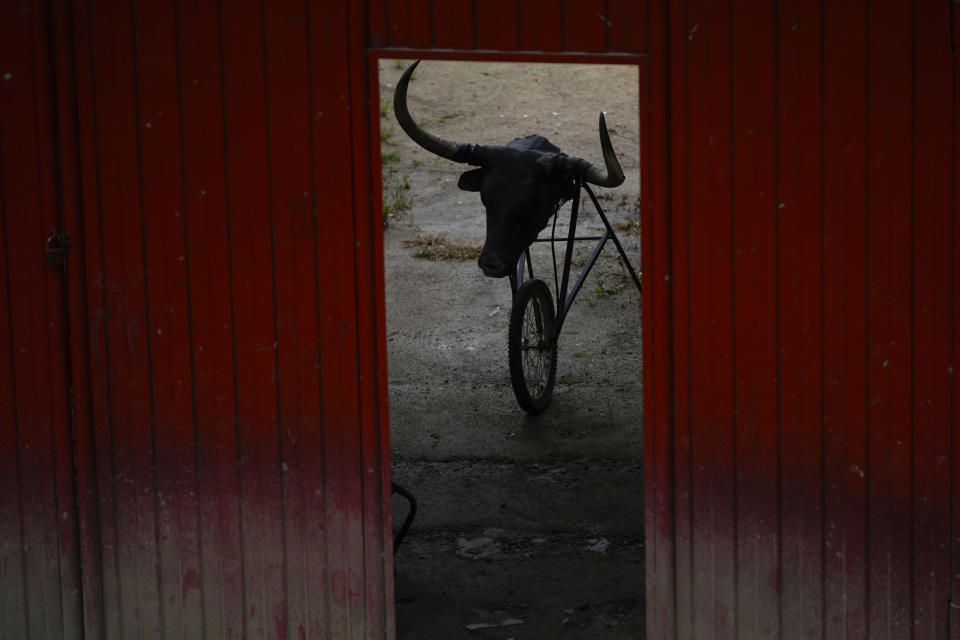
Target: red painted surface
954 628
235 438
754 348
557 26
799 277
39 569
660 515
224 313
39 560
811 206
844 392
494 31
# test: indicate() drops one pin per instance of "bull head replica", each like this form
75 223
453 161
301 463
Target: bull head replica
521 184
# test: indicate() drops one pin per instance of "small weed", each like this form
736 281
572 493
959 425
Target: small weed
620 201
390 157
393 209
384 109
394 196
386 137
602 290
398 64
629 227
437 248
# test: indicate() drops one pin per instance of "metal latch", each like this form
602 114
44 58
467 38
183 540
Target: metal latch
56 249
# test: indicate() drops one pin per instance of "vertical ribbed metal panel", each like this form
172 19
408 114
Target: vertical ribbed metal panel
802 261
954 621
235 436
572 26
39 571
805 490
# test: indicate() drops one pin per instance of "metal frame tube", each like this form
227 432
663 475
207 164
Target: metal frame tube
565 299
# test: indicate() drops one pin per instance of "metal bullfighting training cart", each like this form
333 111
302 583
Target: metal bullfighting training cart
534 326
523 184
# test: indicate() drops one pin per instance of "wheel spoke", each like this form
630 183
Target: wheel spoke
532 346
536 350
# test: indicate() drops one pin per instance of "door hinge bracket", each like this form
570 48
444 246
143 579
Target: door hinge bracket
56 249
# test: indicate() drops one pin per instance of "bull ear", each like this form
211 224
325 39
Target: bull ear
471 180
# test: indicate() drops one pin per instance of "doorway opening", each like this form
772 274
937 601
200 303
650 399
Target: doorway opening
532 522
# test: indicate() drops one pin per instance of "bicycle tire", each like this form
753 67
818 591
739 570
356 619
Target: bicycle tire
532 346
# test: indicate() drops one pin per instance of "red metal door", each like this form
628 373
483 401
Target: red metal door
801 471
227 427
39 561
229 432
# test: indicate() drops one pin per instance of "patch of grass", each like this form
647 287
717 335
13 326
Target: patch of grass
384 108
437 248
398 64
603 290
394 208
395 201
620 201
390 157
629 227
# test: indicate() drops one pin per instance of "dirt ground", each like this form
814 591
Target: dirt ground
528 527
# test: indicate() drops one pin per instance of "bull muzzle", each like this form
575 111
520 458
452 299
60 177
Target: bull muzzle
495 266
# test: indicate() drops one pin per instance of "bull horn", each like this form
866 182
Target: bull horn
433 144
612 176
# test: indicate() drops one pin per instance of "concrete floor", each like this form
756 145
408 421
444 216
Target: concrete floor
535 521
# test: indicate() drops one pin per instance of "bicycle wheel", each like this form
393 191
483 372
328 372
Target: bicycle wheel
532 347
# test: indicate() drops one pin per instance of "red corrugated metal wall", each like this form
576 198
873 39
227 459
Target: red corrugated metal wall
39 561
224 289
240 477
801 261
800 482
524 26
800 307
